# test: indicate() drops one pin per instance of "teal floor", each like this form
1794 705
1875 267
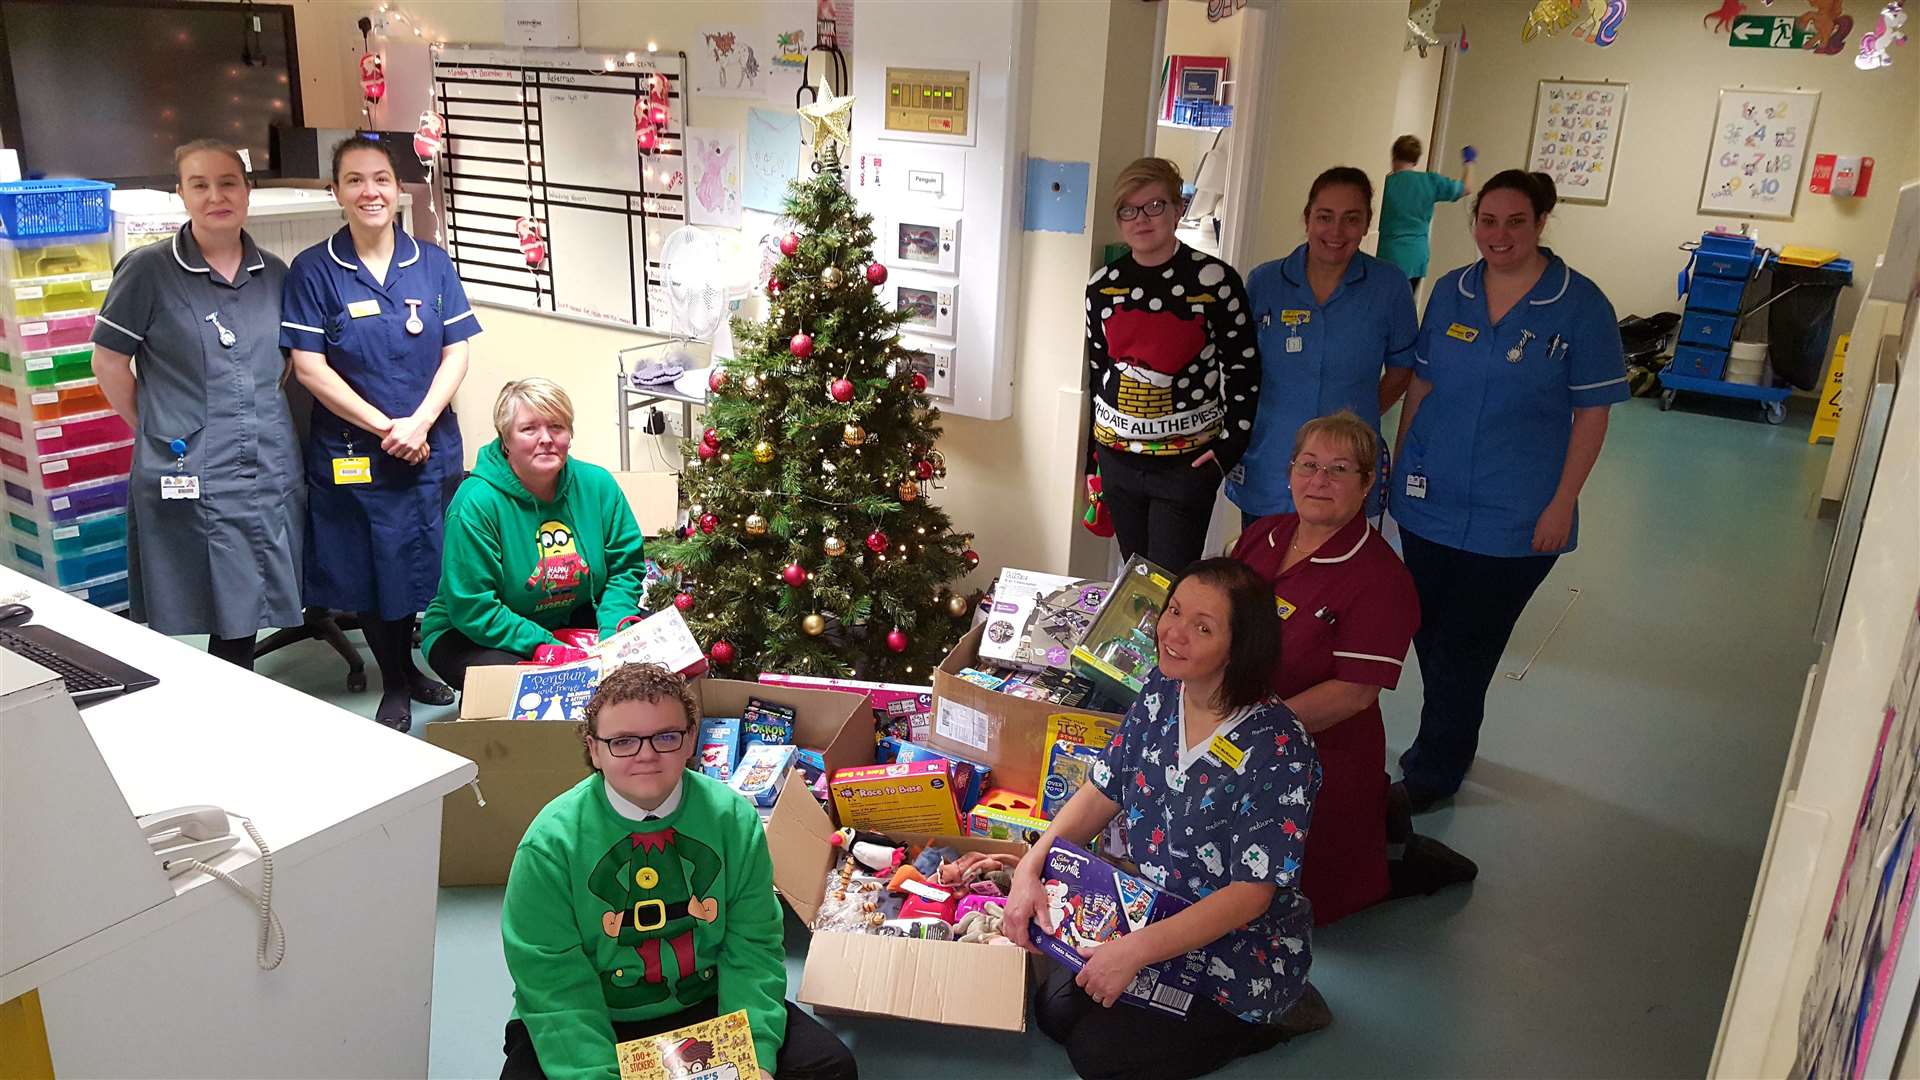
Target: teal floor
1618 809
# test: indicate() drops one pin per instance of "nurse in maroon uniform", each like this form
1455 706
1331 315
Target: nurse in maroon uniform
1348 612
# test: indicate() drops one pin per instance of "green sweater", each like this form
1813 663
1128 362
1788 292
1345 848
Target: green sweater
515 568
597 927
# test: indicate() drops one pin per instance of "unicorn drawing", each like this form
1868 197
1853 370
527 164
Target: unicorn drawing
1876 44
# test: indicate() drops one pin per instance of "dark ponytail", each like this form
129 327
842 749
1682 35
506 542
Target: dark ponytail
1537 187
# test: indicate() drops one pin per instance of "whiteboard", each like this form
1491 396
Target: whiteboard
1576 131
547 135
1757 152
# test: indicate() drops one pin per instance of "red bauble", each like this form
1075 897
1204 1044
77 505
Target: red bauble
972 557
897 639
646 138
708 523
801 345
919 383
710 437
657 114
721 653
707 451
876 274
923 469
683 601
773 286
842 390
876 541
794 575
717 379
789 243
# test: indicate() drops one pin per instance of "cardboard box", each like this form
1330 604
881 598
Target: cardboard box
914 797
1006 732
938 982
524 764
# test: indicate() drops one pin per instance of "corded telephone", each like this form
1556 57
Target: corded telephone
186 837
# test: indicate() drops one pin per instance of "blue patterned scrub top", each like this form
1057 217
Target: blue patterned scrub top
1196 821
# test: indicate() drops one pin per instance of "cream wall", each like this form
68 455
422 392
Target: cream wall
1675 68
1190 34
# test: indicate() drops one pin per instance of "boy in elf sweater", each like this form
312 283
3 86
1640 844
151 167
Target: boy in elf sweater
641 901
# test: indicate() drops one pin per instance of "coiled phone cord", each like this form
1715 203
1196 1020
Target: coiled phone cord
273 937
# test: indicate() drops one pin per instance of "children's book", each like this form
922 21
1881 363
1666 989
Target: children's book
717 1049
555 693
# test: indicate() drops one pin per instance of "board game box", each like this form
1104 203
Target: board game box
1090 901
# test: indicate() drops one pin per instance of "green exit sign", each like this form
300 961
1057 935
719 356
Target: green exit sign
1767 32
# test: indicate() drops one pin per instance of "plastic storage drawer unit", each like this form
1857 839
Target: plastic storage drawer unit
1724 256
40 299
1699 363
1715 294
110 592
72 537
39 369
53 332
74 467
1704 328
56 569
57 402
22 259
62 502
72 433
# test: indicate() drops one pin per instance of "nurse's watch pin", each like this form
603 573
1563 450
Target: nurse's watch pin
414 325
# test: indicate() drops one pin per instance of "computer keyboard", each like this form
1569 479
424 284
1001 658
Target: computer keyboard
80 680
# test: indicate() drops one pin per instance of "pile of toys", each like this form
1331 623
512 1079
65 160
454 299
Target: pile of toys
942 894
1071 641
754 752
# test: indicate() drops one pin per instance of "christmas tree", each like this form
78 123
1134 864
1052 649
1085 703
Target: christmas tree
811 546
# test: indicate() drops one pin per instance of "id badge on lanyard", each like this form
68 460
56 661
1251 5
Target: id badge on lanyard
179 484
351 468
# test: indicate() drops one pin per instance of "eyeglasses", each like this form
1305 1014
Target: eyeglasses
663 742
1153 210
1336 472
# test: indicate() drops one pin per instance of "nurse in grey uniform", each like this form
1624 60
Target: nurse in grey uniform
187 349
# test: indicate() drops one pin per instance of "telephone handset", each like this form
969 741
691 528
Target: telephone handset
187 837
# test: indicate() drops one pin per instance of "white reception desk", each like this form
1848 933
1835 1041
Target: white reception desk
139 976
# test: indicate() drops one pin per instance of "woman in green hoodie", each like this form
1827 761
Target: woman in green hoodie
534 543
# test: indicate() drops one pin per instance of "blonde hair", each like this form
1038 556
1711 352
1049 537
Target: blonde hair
1143 173
208 146
1357 436
543 396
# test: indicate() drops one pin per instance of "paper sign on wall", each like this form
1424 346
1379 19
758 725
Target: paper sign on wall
713 177
1844 175
1756 152
773 158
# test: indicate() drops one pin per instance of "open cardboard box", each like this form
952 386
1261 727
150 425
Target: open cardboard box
940 982
1001 730
524 764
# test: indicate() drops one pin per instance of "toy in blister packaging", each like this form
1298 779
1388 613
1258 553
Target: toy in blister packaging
925 928
986 680
1119 649
899 710
719 746
767 722
1067 767
813 771
897 798
1061 618
763 770
1090 902
717 1049
1013 610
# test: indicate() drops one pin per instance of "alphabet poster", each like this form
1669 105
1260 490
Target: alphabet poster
1576 130
713 177
1757 152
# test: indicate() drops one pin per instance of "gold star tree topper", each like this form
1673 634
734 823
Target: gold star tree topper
830 120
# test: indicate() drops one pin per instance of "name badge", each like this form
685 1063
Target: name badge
352 470
1226 753
1460 332
1294 343
1416 486
1295 317
360 309
1285 607
179 487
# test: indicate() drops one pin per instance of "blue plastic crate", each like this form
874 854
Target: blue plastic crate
1716 293
41 209
1705 328
1202 114
1724 256
1698 363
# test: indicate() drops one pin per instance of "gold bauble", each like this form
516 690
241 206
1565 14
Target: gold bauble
853 435
909 490
834 546
814 625
958 606
831 277
763 451
752 384
756 525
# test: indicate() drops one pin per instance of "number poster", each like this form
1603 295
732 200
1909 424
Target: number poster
1576 128
1759 147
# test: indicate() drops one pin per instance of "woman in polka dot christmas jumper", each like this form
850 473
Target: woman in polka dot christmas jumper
1176 373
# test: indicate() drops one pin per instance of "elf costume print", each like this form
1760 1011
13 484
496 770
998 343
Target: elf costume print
644 880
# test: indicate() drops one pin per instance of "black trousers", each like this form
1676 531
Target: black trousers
1160 505
1468 606
455 652
1125 1041
810 1051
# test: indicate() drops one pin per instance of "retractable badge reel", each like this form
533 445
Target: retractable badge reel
179 484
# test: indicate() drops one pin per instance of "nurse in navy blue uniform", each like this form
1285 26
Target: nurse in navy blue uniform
1336 330
378 326
1518 360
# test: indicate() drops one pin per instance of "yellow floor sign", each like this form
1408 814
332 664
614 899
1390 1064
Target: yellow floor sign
1826 424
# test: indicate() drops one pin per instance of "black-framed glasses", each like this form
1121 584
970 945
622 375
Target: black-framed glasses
663 742
1337 471
1153 210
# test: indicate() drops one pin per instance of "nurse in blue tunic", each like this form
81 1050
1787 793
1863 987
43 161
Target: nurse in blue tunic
1336 330
378 326
1518 360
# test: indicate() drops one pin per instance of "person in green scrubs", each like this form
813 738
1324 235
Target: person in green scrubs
1407 200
